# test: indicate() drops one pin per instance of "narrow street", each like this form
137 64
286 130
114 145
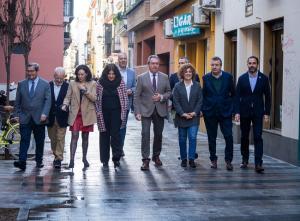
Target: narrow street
167 193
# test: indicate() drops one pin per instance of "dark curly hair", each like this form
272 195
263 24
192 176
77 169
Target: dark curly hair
184 68
86 70
108 68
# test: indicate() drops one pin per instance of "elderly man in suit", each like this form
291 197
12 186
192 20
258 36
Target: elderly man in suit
58 119
128 76
33 102
150 104
218 92
253 104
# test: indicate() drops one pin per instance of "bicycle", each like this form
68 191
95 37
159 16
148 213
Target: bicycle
10 137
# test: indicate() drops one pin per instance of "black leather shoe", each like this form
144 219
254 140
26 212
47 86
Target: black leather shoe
192 164
184 163
21 165
229 166
116 164
244 165
214 164
57 164
39 165
105 164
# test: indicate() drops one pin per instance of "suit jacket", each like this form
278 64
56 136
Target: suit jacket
87 104
56 112
130 84
257 102
218 103
27 107
183 105
143 103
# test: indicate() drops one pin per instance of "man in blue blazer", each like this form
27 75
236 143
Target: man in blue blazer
128 76
252 105
32 106
58 119
218 92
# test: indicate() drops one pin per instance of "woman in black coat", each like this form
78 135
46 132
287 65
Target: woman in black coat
187 98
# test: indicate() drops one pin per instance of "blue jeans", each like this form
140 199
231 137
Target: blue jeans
123 132
183 133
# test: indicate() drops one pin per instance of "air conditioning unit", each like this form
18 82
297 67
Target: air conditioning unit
168 28
211 5
199 18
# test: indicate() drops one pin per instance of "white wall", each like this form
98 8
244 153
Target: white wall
233 17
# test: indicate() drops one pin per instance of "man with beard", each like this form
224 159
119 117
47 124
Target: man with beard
252 105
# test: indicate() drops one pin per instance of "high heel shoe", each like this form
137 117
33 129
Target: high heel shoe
71 164
85 163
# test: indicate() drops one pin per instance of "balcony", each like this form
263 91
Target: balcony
68 11
139 15
67 40
121 28
159 7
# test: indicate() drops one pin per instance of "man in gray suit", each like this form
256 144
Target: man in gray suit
150 104
32 106
128 76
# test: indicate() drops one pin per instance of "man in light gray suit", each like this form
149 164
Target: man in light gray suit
150 104
32 106
128 76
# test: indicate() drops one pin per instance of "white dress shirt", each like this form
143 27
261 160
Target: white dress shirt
188 89
124 75
56 90
151 77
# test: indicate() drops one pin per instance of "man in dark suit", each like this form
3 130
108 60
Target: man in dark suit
33 102
174 78
218 92
150 105
252 105
58 119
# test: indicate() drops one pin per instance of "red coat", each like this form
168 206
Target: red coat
123 101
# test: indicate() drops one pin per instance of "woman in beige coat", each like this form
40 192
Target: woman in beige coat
80 101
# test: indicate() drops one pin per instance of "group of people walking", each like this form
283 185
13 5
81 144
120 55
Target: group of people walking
84 102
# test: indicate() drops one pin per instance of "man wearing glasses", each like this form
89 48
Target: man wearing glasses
33 102
58 119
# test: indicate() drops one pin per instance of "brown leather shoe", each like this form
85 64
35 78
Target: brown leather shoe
214 164
157 161
145 165
259 169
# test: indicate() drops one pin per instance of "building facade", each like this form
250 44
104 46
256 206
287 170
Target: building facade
48 48
266 29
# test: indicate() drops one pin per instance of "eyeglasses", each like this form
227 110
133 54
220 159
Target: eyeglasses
31 71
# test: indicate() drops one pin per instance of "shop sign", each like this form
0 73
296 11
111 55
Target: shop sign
182 26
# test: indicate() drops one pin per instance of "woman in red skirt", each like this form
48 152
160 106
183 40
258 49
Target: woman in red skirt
80 100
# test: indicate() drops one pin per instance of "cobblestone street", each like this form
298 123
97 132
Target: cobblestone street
167 193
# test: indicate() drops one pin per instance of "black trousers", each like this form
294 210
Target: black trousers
257 124
211 124
111 137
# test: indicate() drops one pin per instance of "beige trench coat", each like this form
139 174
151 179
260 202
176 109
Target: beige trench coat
72 100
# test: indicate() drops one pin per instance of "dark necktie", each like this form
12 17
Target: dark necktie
31 92
154 82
